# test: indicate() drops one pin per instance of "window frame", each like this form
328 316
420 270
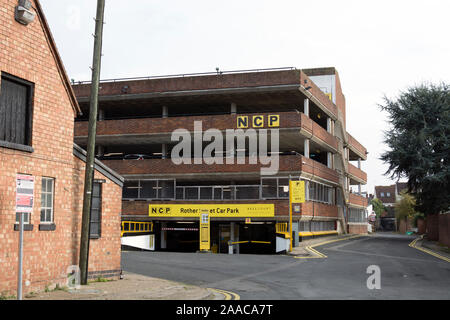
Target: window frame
100 209
27 147
46 193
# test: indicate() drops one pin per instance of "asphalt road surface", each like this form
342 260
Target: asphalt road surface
406 273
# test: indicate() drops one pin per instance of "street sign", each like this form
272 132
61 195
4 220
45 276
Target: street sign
297 191
205 234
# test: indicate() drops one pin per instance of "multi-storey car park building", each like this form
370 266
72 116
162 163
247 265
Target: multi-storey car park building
138 116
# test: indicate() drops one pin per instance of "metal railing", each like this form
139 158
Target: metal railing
218 72
282 228
136 227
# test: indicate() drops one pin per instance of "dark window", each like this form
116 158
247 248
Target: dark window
16 105
96 211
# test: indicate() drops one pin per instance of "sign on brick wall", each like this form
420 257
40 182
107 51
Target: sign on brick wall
24 193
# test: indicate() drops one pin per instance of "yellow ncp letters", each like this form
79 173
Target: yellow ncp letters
274 120
242 122
258 121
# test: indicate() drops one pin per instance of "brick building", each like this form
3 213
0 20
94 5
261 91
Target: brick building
37 111
389 195
134 136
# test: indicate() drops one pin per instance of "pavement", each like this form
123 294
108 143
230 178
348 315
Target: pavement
132 287
305 247
435 247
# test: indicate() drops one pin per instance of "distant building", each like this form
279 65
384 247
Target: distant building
389 195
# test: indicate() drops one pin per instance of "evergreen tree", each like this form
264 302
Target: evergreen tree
419 144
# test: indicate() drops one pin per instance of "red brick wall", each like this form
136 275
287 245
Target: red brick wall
358 200
421 226
357 229
433 227
251 79
168 125
166 166
356 145
357 172
405 225
444 229
26 54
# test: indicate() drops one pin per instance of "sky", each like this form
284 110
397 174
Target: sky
379 48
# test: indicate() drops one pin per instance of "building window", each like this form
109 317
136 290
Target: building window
26 217
320 193
96 211
47 197
357 215
382 194
16 106
388 194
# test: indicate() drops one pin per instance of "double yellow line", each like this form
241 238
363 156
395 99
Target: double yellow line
413 244
228 294
319 255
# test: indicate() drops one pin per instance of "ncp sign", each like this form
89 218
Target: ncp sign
214 210
258 121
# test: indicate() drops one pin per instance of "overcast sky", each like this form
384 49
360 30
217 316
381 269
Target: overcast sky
378 47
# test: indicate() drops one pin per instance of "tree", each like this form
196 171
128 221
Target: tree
419 144
405 207
378 207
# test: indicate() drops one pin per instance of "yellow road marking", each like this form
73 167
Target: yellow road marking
437 255
228 294
320 255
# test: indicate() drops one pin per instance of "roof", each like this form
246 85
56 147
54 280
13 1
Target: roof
401 186
80 153
57 57
385 190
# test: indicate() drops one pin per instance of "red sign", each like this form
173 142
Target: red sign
24 193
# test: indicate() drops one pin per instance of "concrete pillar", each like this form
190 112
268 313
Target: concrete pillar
163 236
295 233
306 147
359 188
359 163
329 125
165 111
164 150
236 237
233 108
230 247
101 114
306 107
100 151
330 160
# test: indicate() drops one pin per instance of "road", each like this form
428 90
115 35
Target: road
406 273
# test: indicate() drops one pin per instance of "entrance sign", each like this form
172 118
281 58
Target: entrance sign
205 243
297 191
214 210
296 195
